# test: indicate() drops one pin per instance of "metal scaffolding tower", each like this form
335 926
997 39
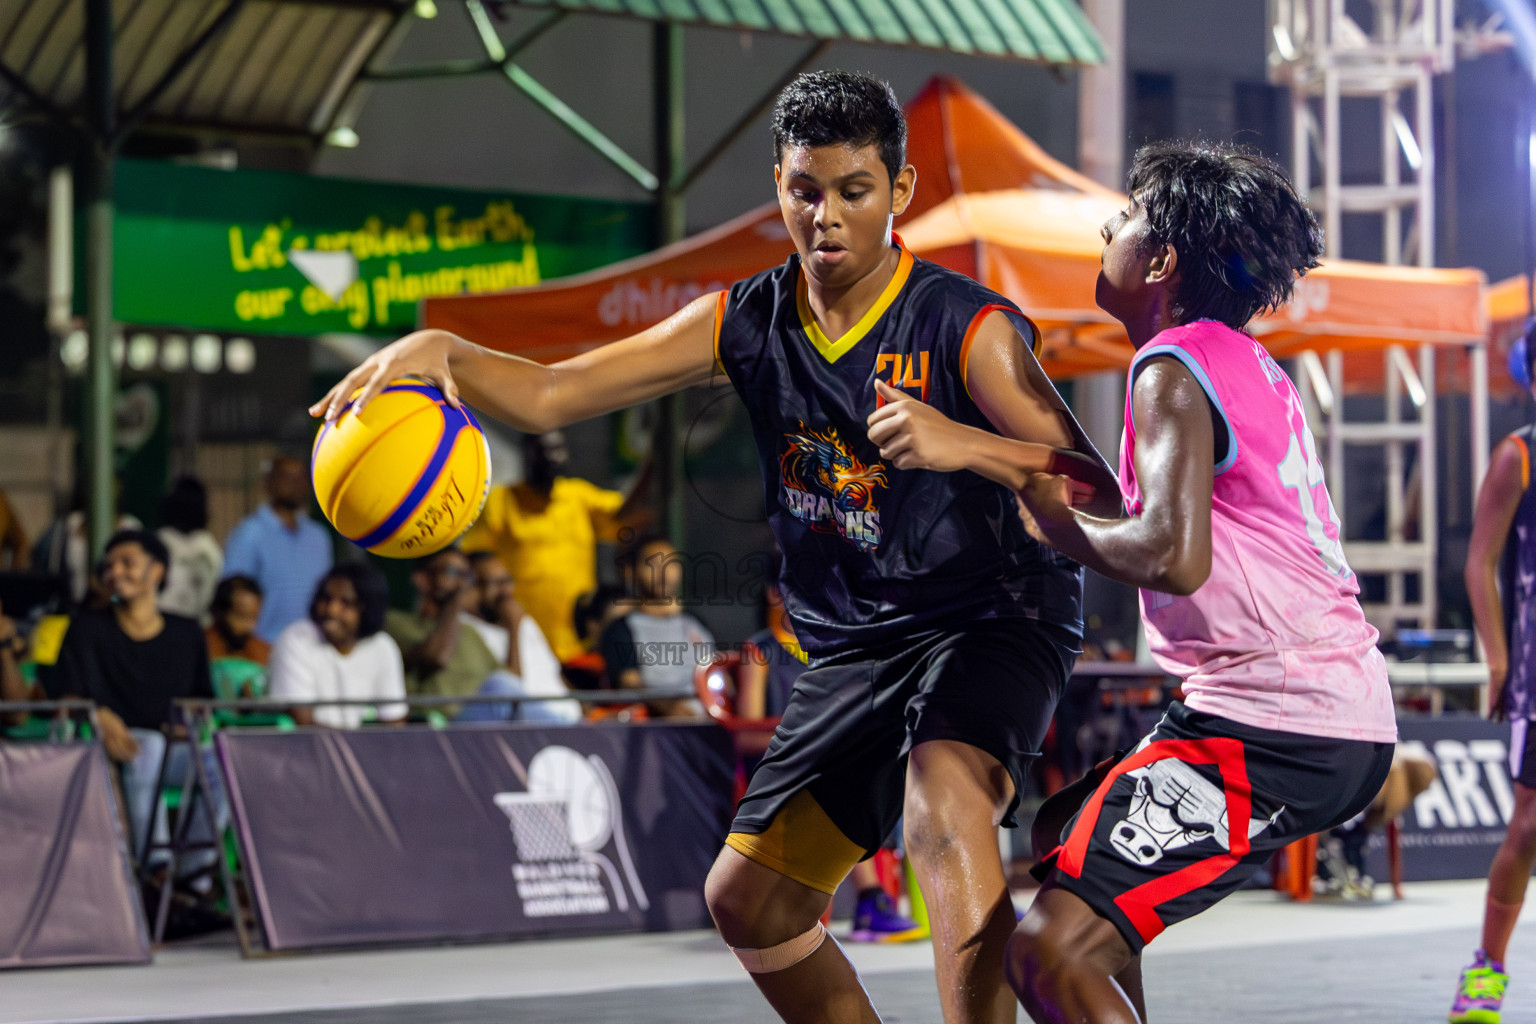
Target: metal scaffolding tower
1352 68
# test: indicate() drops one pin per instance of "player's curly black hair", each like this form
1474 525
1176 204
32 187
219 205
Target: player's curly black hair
850 108
1241 232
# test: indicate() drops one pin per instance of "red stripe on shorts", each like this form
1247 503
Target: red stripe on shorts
1139 904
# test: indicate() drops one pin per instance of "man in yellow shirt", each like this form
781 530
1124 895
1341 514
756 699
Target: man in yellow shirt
546 530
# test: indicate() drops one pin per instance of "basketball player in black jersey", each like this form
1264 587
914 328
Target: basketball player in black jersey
940 633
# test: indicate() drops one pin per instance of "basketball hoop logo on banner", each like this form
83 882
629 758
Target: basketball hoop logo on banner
568 828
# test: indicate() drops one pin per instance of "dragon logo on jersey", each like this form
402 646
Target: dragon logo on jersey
829 489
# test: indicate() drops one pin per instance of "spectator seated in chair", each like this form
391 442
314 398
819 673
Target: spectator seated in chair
458 643
134 660
657 645
236 609
515 639
341 652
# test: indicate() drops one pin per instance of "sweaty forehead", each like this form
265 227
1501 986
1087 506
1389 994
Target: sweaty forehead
835 162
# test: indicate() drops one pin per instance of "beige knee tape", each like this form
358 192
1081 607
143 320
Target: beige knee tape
784 955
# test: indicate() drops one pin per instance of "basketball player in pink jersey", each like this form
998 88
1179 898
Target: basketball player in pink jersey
1287 726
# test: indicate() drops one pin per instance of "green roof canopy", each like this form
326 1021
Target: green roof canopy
1051 31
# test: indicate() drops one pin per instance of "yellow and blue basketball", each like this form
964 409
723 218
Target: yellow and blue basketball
407 477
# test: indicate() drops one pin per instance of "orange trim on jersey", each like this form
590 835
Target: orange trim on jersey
1525 462
719 322
831 350
1036 344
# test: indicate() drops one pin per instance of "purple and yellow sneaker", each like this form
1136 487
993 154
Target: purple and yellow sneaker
1481 993
875 920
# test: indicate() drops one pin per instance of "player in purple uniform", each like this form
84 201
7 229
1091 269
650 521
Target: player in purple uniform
896 406
1286 727
1502 557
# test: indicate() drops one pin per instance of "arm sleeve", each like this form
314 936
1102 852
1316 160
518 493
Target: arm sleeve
617 647
599 499
240 554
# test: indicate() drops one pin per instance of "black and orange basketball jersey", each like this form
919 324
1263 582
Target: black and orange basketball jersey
873 553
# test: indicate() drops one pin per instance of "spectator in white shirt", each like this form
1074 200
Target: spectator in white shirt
340 652
196 558
496 615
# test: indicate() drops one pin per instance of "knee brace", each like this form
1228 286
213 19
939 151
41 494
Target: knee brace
784 955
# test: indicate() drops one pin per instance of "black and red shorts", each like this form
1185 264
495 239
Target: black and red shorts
1203 802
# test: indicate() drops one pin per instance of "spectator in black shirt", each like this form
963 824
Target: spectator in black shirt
133 660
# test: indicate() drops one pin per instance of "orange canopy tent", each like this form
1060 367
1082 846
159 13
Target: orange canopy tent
989 203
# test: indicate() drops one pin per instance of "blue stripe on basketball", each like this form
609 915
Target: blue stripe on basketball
427 479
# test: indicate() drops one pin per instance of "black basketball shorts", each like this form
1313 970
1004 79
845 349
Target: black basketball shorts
1189 815
853 718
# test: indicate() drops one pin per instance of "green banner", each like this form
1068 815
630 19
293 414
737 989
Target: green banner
274 253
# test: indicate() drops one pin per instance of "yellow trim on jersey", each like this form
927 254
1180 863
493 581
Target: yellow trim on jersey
801 843
831 350
719 322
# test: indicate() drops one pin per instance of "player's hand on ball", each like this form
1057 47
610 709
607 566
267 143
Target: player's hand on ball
914 435
423 354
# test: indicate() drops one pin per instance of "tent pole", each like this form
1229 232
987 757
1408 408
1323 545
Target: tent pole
99 213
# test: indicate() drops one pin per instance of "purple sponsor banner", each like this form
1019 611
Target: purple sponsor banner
1453 828
67 894
392 835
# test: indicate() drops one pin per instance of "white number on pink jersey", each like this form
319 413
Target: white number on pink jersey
1302 472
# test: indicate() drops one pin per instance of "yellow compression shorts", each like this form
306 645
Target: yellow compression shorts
801 843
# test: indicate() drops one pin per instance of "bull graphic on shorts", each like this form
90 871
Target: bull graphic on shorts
1173 805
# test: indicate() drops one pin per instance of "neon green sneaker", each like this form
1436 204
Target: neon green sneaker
1481 993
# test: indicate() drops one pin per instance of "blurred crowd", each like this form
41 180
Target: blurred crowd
509 624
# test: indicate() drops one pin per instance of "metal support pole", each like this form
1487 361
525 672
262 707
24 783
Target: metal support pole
671 226
1429 485
100 442
1392 216
1424 126
1477 359
1100 397
1333 212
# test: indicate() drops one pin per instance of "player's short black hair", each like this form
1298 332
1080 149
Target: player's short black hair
372 595
849 108
224 594
1242 233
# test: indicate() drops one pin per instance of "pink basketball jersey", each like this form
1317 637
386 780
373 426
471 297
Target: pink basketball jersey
1275 637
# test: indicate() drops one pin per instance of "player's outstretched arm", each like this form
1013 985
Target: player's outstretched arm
676 353
1168 546
1497 501
1035 430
